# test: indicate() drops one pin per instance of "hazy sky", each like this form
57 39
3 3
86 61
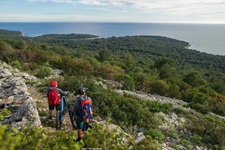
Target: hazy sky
193 11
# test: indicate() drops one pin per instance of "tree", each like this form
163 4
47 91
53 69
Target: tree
194 79
126 80
167 71
6 51
160 62
104 55
158 87
129 61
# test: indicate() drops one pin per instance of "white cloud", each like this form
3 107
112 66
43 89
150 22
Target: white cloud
159 10
55 1
38 18
149 5
117 3
171 7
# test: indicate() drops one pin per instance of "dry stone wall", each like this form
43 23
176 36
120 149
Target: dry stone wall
14 96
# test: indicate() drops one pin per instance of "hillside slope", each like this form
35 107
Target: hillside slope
123 76
172 124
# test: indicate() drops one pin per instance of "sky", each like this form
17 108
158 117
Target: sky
162 11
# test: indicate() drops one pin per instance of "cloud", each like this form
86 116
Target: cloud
171 7
178 10
54 1
147 5
117 3
42 17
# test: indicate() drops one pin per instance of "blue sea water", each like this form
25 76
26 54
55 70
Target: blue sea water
209 38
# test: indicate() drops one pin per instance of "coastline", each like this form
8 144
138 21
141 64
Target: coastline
212 42
187 47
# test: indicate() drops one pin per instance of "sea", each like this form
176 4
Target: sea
208 38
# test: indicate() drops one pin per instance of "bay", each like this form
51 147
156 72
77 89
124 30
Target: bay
208 38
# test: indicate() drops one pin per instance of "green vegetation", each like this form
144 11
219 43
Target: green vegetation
99 137
151 64
4 112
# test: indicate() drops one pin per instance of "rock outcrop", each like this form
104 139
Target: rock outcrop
15 97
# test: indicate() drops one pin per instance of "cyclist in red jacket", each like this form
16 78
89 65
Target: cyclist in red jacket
53 96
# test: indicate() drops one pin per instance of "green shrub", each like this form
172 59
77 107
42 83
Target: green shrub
155 106
9 139
31 82
196 139
173 134
43 72
155 134
16 64
199 107
104 138
158 87
147 144
4 112
185 143
126 81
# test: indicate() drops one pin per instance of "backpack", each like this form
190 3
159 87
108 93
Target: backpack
53 98
86 110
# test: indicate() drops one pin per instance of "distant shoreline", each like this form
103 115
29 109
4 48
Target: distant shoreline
187 47
207 38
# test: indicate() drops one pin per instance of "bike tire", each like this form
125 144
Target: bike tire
58 118
58 122
72 119
60 111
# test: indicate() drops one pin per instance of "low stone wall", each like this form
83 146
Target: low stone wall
15 97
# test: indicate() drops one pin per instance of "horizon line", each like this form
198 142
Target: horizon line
111 22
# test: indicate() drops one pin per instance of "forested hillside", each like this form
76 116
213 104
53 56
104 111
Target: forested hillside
150 64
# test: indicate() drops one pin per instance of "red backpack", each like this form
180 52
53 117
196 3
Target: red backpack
53 98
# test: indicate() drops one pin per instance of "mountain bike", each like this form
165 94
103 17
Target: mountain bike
72 117
60 112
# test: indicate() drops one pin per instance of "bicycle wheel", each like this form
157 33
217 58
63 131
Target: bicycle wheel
72 118
58 118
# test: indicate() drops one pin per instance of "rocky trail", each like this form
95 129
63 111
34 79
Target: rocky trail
42 107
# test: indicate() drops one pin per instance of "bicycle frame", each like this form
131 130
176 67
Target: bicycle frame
60 109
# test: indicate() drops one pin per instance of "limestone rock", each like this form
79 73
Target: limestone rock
15 97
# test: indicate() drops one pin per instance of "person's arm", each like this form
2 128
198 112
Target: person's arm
47 91
61 92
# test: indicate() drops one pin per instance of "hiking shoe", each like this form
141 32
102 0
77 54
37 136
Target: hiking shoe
78 139
49 117
89 126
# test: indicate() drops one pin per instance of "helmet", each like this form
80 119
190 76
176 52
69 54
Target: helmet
81 90
53 83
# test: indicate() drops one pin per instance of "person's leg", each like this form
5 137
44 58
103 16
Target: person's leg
79 134
80 124
50 111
